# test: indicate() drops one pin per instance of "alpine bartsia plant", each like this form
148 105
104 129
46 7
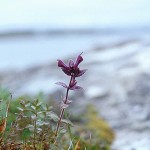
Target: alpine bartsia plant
72 70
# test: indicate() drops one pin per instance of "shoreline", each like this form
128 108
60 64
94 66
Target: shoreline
17 33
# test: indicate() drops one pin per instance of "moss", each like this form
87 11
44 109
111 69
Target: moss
99 126
102 135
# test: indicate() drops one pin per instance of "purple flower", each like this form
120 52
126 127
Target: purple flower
72 68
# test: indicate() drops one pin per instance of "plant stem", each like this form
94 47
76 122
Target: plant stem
70 134
63 110
35 130
5 120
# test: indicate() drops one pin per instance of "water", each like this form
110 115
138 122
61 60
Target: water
20 53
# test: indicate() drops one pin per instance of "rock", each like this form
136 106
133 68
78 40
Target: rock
117 83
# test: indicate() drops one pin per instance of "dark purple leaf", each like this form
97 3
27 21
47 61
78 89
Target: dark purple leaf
61 64
71 63
76 88
66 71
62 84
81 72
73 83
79 60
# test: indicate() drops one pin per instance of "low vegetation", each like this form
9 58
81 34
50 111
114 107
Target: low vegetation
32 124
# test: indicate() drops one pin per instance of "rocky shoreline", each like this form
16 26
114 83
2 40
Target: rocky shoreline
117 83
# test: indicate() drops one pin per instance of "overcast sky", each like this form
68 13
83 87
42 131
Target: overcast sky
73 13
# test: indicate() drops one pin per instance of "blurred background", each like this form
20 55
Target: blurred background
115 39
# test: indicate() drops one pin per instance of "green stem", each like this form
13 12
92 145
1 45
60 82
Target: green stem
70 134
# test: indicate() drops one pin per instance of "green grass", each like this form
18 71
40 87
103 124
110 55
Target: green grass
31 124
